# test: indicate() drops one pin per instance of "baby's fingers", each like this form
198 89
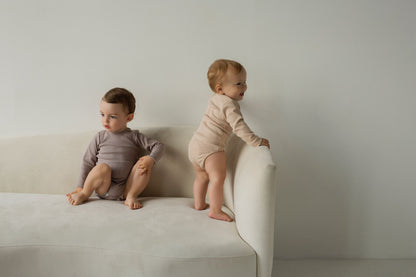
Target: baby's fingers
142 171
265 142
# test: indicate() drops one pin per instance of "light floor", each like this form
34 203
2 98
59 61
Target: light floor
344 268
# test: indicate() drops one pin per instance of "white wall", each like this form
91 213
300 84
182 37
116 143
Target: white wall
331 84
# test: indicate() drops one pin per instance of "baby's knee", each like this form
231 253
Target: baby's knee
203 176
103 169
217 178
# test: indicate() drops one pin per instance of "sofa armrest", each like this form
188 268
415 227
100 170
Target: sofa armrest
254 196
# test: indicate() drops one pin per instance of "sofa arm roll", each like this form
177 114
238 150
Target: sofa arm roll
254 196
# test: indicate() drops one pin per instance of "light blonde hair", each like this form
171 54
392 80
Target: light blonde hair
218 69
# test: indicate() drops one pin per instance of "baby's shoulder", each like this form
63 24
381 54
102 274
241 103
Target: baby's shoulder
136 136
99 136
223 101
135 133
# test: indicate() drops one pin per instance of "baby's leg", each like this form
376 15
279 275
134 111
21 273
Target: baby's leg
200 188
99 179
135 185
216 168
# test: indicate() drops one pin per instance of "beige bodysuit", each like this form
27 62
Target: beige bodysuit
221 119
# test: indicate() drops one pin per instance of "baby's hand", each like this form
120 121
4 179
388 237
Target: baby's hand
145 165
265 142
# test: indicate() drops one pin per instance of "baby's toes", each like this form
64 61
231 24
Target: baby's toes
136 205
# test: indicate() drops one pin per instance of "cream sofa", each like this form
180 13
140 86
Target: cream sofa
42 235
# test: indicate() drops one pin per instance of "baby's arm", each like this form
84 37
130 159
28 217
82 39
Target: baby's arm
88 162
156 150
240 128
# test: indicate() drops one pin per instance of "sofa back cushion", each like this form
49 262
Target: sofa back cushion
51 163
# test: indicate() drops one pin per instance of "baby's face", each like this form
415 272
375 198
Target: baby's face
234 84
114 118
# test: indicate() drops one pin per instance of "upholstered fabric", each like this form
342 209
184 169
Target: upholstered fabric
42 235
105 236
52 163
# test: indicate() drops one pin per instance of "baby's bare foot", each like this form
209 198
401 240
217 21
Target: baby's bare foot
77 198
201 207
220 216
133 203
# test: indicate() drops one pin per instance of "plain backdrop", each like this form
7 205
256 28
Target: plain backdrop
331 84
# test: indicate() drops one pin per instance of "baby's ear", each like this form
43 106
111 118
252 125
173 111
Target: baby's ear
218 88
130 117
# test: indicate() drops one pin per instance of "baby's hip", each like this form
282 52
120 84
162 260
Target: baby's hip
198 145
115 192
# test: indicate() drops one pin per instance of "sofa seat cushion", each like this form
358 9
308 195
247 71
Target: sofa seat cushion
167 237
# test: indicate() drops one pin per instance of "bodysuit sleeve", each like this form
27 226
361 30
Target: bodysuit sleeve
234 117
89 160
154 147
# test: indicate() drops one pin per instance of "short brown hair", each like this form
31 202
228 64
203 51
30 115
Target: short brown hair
218 69
121 96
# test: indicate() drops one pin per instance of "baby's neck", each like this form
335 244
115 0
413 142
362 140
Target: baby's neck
118 131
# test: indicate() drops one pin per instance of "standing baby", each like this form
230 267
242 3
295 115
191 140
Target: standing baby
227 79
115 164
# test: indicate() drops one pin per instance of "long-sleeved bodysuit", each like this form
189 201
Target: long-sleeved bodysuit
221 118
120 151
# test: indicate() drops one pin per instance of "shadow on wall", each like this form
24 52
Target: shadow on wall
322 208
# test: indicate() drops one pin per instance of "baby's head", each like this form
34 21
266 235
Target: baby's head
121 96
227 77
218 70
117 109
